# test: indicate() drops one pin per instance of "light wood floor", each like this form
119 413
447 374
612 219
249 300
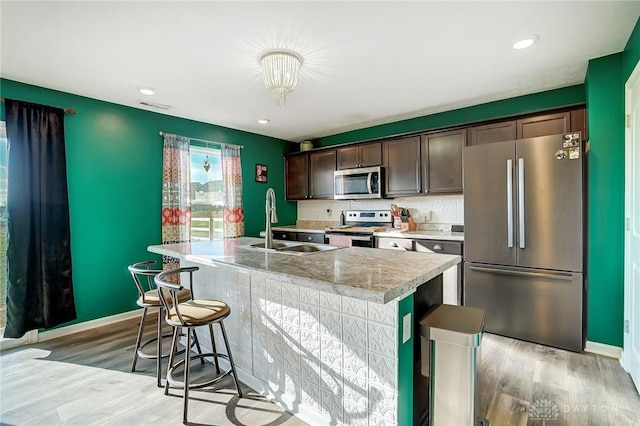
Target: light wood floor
85 379
521 383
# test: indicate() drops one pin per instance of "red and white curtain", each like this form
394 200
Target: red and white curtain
233 212
176 194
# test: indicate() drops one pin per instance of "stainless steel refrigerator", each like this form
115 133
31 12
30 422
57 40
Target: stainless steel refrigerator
523 217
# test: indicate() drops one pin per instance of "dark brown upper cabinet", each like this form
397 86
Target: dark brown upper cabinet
543 125
310 175
579 122
401 160
442 161
322 165
296 171
418 164
495 132
362 155
529 127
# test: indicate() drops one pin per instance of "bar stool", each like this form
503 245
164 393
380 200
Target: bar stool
143 275
190 314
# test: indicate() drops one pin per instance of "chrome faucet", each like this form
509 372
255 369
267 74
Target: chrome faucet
272 217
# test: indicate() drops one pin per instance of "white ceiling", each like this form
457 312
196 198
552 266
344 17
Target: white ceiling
365 63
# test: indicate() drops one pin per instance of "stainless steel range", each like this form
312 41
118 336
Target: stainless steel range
360 226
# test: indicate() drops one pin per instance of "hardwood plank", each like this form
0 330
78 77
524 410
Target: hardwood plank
506 410
565 388
86 379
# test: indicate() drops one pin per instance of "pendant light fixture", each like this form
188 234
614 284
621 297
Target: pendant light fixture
280 72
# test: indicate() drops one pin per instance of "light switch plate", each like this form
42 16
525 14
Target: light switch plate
406 327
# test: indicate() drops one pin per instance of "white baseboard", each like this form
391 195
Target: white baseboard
603 349
9 343
87 325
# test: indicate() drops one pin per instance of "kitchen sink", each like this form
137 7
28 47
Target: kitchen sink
308 248
292 247
277 245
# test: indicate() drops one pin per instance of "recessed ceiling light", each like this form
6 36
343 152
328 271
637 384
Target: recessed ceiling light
525 42
264 121
147 91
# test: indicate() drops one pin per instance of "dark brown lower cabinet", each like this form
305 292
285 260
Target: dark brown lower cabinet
310 237
294 235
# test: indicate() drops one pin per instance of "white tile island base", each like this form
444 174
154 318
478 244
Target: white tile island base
328 358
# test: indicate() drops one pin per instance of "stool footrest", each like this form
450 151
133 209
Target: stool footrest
145 355
216 379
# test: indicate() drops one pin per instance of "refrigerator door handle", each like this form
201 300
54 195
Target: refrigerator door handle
509 203
563 277
521 202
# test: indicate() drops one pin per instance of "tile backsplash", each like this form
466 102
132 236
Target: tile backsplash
434 212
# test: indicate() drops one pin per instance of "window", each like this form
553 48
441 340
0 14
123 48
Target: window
206 193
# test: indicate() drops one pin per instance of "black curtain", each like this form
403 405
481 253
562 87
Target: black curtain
39 285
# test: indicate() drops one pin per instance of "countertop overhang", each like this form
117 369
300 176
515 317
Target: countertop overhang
373 275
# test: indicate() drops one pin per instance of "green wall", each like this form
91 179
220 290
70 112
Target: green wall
605 82
605 110
631 54
557 98
114 166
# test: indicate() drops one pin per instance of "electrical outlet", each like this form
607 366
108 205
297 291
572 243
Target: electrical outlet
329 212
406 327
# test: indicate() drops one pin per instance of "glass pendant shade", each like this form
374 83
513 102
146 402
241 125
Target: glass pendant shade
280 70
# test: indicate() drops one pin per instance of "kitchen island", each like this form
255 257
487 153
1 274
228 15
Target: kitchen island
330 335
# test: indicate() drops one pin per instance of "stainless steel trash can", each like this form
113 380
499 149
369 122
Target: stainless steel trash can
450 337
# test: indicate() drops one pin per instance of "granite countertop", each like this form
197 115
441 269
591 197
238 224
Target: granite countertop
373 275
422 235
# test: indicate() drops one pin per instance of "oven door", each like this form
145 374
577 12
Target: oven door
357 239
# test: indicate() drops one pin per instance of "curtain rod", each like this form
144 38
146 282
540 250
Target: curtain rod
204 140
69 111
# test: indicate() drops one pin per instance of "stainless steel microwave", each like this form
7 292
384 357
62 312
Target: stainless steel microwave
355 184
